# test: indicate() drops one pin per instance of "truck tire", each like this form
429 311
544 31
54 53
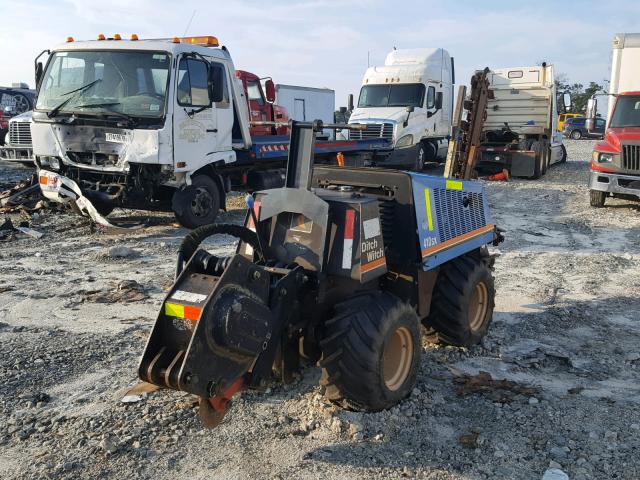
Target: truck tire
576 134
371 352
462 302
597 198
421 157
538 169
563 158
197 204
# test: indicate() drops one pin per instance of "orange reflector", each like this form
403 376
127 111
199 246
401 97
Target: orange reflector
340 159
134 36
69 39
117 37
176 40
191 313
181 164
101 36
44 180
206 41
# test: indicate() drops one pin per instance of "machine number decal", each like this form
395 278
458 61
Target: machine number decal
371 228
184 296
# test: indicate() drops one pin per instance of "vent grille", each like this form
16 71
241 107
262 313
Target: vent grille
631 157
458 212
387 209
374 130
20 133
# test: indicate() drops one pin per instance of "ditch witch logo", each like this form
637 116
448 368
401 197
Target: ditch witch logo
372 250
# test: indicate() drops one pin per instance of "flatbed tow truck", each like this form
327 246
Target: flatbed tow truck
159 124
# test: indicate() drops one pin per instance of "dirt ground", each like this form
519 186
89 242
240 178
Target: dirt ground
75 311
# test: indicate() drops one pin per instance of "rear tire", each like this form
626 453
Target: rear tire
576 134
198 204
462 302
538 169
371 352
597 198
563 159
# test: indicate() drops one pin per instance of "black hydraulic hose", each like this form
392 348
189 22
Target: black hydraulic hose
192 241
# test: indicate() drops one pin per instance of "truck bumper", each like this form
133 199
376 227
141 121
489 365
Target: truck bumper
615 183
60 189
16 154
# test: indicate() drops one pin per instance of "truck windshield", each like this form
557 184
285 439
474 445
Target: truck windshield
400 95
130 83
626 112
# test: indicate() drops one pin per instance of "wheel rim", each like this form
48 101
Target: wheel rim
478 306
202 202
397 358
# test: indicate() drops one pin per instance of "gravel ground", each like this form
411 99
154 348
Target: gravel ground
75 311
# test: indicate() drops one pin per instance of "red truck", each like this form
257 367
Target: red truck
615 162
262 107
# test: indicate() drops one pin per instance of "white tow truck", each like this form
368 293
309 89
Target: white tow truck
409 101
156 124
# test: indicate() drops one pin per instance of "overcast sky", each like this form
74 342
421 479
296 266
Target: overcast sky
324 43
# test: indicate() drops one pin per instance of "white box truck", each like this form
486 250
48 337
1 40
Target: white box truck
307 104
521 127
408 100
615 162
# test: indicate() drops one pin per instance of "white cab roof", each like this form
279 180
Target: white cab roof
416 65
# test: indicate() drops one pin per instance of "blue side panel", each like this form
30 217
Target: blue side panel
453 217
277 146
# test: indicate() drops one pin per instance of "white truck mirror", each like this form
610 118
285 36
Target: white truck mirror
592 110
566 101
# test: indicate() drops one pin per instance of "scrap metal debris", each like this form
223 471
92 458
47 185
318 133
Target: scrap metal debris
500 391
25 196
8 230
139 392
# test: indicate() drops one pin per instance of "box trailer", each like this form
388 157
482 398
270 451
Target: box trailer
306 104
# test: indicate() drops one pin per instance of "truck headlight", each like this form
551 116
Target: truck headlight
605 158
405 141
43 160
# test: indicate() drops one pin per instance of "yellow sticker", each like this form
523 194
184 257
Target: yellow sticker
427 200
453 185
174 310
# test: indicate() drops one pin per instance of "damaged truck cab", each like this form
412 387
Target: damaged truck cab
140 124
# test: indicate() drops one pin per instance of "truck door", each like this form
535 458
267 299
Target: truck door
258 108
195 129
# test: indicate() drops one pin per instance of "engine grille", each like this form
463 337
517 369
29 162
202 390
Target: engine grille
459 212
20 133
387 209
374 130
631 157
94 158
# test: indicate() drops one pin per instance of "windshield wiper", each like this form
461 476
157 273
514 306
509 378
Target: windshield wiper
98 105
54 111
110 111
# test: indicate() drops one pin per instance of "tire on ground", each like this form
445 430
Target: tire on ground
371 352
576 134
463 300
197 204
538 169
563 159
597 198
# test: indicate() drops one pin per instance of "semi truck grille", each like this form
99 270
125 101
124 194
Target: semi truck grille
459 212
94 158
374 130
631 157
20 133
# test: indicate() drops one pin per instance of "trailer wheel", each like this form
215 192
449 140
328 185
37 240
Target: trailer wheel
197 204
462 302
597 198
371 352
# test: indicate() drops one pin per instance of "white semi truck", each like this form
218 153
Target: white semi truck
158 124
408 100
521 126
